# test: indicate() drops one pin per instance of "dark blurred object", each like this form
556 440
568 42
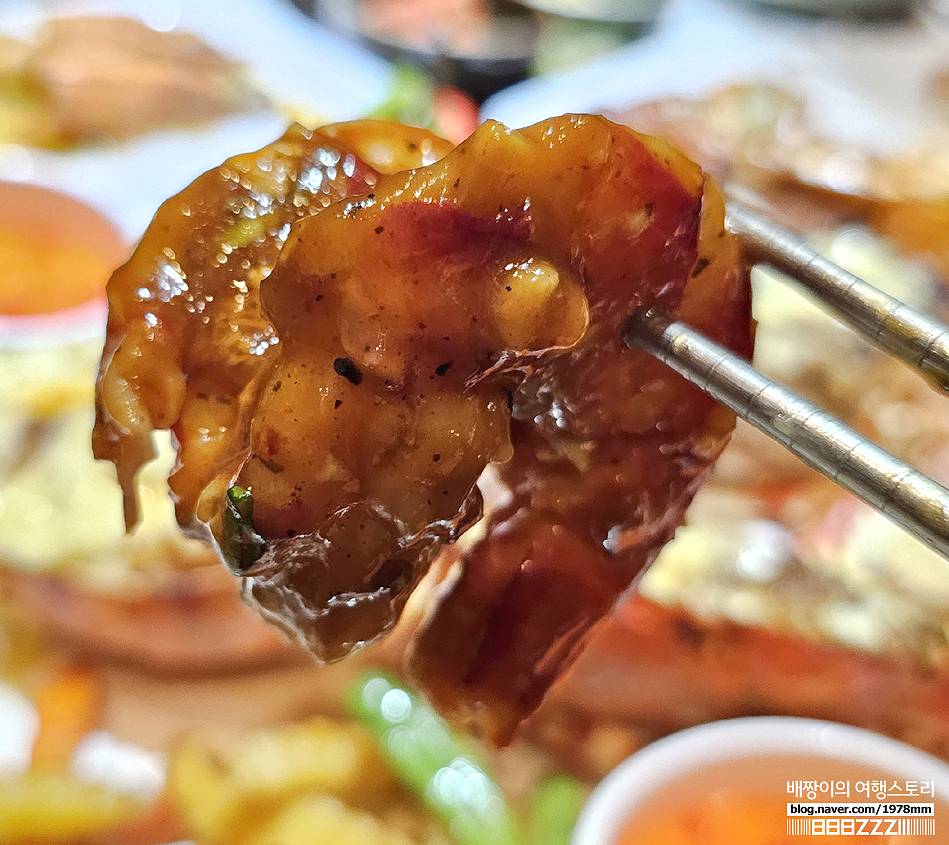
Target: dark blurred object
476 45
877 9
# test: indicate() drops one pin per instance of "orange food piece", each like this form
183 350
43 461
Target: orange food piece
918 226
56 252
68 707
41 274
608 445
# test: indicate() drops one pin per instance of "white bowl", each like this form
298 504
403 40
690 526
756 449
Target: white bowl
634 783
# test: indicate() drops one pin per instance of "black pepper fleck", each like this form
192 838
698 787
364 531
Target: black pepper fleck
649 209
689 634
348 370
272 466
337 403
700 265
441 369
277 385
379 230
436 457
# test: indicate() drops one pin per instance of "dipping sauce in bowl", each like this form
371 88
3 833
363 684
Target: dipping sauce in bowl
56 254
735 782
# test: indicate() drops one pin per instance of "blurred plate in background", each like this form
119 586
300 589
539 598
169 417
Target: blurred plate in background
863 83
305 71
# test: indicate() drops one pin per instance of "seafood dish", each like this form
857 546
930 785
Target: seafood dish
344 329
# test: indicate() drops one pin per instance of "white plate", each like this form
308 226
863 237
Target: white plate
294 60
864 83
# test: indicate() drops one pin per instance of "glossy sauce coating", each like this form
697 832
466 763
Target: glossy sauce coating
405 318
463 314
609 445
186 336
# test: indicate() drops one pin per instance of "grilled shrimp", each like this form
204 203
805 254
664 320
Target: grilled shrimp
608 445
458 315
186 336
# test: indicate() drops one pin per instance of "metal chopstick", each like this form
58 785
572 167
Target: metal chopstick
899 329
907 497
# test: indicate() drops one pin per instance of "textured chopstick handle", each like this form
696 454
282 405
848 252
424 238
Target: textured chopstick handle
907 497
895 327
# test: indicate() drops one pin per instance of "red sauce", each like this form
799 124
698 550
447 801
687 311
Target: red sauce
745 803
56 252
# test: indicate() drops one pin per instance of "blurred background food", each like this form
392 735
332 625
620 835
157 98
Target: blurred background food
140 702
58 92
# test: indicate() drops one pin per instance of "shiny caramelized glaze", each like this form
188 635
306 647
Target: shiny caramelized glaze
609 445
464 313
186 335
